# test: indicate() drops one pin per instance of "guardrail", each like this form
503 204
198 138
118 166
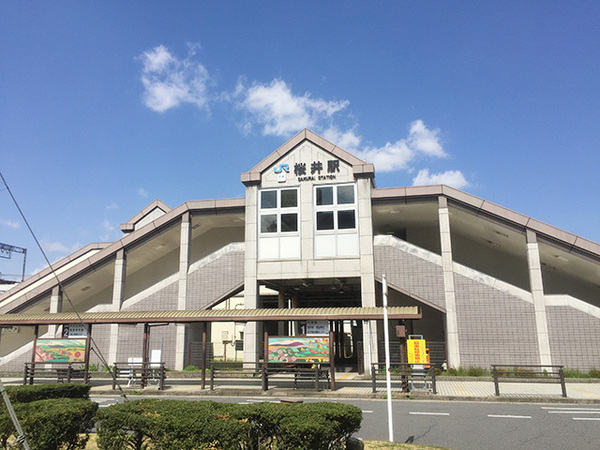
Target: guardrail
67 371
507 373
142 372
412 376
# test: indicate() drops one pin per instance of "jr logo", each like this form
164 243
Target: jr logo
282 167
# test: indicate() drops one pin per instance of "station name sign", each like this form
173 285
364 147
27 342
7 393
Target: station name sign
313 171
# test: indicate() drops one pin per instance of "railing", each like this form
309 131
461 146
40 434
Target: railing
268 371
411 376
534 373
142 372
67 371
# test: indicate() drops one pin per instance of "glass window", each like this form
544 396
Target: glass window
346 220
289 222
325 195
268 199
345 195
279 211
289 198
268 223
325 220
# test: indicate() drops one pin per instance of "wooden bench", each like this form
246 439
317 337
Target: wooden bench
63 372
507 373
140 372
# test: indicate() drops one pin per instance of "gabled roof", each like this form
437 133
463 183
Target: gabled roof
359 167
155 207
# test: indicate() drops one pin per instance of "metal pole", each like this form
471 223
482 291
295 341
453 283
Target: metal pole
388 375
15 420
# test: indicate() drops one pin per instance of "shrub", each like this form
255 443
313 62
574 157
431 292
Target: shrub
175 425
190 368
29 393
56 423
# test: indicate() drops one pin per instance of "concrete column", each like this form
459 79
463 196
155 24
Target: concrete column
452 340
184 262
251 337
117 300
537 291
367 269
56 301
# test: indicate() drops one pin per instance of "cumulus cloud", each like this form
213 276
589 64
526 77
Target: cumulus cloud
421 141
453 178
279 112
142 192
169 81
10 224
275 110
113 205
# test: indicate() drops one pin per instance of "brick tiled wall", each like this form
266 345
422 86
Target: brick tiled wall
411 273
574 338
214 280
493 327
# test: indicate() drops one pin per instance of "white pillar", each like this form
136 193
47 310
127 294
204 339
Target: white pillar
117 300
184 262
367 270
537 292
452 340
250 273
55 307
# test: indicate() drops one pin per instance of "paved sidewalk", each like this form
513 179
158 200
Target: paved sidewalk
350 385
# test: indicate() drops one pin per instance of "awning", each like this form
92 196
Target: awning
212 315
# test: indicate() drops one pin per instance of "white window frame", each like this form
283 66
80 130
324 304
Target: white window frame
278 211
335 208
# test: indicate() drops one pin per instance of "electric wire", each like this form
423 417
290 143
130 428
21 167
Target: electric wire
94 348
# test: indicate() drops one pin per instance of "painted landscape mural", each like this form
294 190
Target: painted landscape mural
299 350
60 350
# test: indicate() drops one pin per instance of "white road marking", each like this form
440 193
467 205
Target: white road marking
367 412
586 418
574 412
562 408
507 416
417 413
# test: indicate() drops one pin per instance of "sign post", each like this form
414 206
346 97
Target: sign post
388 375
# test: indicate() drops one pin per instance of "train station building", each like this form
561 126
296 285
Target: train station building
311 241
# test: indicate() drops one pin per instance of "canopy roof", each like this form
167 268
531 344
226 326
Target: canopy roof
212 315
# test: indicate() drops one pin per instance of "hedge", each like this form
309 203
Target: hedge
52 416
177 425
29 393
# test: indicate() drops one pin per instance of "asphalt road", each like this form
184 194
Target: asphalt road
467 425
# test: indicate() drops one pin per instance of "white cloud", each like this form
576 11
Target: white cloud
113 205
453 178
169 82
142 192
58 247
279 112
347 140
421 141
10 224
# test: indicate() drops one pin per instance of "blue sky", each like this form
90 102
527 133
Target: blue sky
107 106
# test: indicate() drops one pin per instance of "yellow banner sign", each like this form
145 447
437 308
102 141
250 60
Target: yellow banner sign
416 351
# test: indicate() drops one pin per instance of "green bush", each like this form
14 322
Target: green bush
30 393
176 425
190 368
55 423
